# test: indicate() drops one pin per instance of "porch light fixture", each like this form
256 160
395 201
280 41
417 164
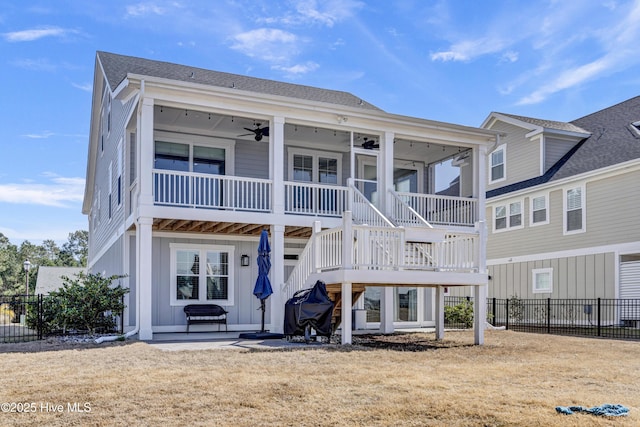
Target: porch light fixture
27 267
244 260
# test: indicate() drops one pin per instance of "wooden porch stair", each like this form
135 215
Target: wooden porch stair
335 293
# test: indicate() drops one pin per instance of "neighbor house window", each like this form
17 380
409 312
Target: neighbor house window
539 214
574 218
201 274
508 216
542 280
497 166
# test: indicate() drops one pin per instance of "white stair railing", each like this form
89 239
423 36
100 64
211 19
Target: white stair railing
404 215
364 212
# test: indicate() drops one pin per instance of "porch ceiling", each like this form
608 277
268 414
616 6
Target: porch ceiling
217 227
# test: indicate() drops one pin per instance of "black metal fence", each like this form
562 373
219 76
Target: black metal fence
21 319
597 317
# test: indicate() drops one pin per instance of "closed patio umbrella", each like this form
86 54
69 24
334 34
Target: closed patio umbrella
262 289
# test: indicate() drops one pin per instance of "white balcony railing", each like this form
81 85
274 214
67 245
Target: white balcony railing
382 248
173 188
404 215
304 198
443 210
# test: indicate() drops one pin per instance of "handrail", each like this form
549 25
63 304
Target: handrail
176 188
308 198
404 215
443 210
364 212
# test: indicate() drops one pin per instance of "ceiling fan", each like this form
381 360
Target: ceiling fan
370 144
258 132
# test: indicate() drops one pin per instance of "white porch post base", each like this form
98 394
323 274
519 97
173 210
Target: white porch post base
277 298
144 241
480 313
439 313
346 313
386 310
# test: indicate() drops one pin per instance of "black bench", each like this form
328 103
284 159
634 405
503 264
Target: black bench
205 313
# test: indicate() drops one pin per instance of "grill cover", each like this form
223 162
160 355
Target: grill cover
309 307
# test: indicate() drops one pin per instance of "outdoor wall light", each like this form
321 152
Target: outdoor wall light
244 260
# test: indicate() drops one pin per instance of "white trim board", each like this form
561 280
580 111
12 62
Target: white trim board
621 248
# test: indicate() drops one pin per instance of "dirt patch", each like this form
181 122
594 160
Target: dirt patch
403 342
57 344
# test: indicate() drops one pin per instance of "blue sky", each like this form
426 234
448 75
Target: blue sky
453 61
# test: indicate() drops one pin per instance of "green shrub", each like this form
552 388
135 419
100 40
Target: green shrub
87 303
461 313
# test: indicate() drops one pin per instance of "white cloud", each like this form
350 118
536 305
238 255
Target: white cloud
466 50
618 54
42 135
312 12
87 87
36 33
268 44
148 8
298 68
509 56
57 191
40 64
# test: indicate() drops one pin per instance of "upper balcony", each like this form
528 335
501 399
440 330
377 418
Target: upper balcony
223 163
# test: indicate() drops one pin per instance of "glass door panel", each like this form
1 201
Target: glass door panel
406 305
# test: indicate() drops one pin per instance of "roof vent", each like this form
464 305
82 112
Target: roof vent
193 75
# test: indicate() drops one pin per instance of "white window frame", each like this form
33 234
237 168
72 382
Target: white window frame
201 141
315 155
203 249
583 206
534 280
502 148
546 207
507 206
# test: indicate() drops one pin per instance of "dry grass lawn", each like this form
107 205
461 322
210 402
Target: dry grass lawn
515 379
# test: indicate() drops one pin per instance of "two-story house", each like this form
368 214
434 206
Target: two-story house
563 204
187 166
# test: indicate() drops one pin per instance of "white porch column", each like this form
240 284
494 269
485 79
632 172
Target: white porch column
276 163
277 277
439 312
480 313
144 277
386 310
346 313
145 154
386 171
480 180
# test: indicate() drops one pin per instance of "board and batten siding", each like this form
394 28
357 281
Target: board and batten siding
244 310
523 155
612 216
584 276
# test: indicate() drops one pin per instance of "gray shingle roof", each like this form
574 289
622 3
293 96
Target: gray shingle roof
549 124
612 141
116 68
50 278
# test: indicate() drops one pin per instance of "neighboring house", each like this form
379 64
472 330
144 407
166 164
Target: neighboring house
187 166
563 206
50 278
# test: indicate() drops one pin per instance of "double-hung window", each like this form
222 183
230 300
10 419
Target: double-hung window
508 216
316 167
201 274
497 167
539 214
574 212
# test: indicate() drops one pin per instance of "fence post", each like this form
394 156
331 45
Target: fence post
40 314
548 315
599 317
507 314
493 311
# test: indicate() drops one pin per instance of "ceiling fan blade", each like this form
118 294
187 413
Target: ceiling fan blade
246 134
251 130
265 131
